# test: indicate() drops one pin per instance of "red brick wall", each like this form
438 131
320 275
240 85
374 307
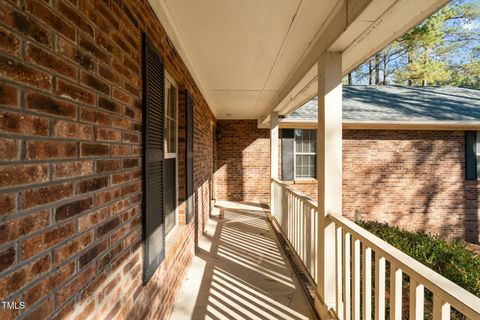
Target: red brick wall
70 173
413 179
242 164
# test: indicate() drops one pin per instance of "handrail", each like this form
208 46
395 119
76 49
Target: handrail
297 193
297 214
459 298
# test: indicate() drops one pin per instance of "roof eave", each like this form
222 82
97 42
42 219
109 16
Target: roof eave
389 125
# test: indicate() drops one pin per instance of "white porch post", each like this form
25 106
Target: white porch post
273 156
329 171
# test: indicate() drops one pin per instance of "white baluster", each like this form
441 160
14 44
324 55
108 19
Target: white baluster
367 283
313 237
441 309
379 287
417 292
294 219
339 271
346 277
356 280
304 233
395 292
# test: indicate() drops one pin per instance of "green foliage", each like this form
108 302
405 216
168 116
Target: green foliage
451 259
431 71
465 75
442 50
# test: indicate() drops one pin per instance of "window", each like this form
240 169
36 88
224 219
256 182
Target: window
299 154
305 153
170 177
472 155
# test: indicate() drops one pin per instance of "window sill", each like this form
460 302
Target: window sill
301 181
305 181
172 239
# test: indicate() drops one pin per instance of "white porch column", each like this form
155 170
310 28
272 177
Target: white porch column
329 170
273 155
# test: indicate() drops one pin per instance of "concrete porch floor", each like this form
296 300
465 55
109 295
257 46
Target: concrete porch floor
240 271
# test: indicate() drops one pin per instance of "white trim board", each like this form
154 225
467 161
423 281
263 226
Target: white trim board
388 125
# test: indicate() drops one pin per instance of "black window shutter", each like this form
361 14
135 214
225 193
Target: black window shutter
470 155
153 124
189 156
287 154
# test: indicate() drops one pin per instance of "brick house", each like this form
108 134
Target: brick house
403 161
113 122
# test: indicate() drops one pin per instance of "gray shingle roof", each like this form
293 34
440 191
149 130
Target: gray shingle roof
396 103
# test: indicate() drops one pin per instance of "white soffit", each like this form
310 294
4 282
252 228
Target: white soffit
251 57
241 52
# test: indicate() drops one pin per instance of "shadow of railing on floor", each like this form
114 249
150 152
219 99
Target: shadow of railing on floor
241 251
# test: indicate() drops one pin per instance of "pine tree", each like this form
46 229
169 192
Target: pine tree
429 53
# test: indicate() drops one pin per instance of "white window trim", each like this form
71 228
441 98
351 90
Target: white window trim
171 155
300 153
169 235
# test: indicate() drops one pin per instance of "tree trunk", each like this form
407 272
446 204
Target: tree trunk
410 60
425 80
350 80
377 68
370 71
384 68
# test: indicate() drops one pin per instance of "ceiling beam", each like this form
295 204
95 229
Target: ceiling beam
333 27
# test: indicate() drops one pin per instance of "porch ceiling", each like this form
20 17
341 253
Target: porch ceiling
251 57
242 51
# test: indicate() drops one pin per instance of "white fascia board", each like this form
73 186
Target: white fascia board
413 125
388 125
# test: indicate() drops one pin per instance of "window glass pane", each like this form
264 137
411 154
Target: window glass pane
305 166
172 112
313 141
170 132
478 166
305 141
477 151
477 147
298 140
172 137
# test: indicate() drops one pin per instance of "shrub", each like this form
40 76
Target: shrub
452 259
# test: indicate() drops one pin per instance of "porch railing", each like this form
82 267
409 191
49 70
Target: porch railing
297 215
362 258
